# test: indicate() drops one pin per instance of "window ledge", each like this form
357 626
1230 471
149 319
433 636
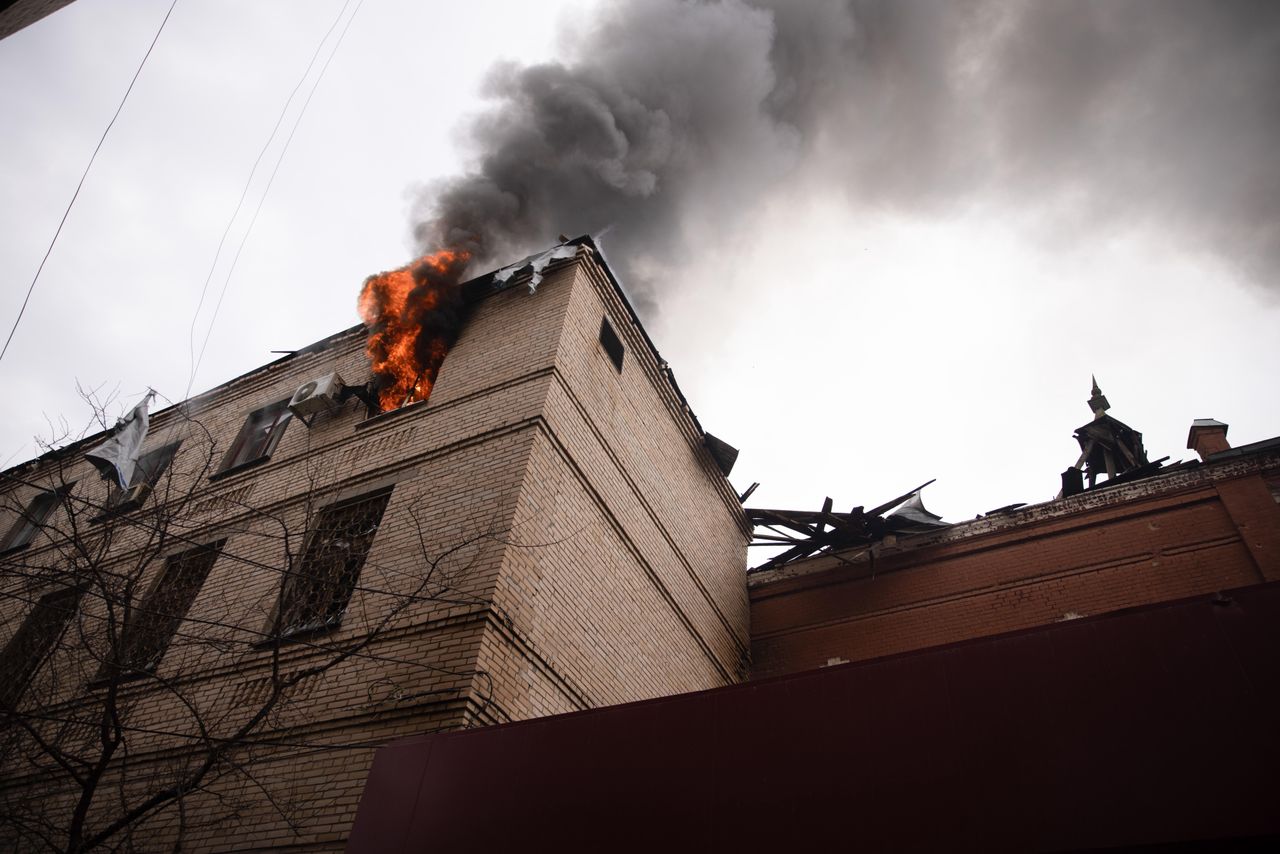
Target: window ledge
117 511
12 550
298 636
390 413
100 682
239 467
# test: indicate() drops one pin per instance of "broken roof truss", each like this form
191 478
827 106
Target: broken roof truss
806 533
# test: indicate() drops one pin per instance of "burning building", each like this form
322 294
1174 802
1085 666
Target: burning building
534 525
496 506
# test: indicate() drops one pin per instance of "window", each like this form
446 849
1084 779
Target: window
258 437
612 344
28 523
315 595
146 474
152 625
35 639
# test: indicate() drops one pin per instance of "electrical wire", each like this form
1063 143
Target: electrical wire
191 341
267 636
138 523
467 599
280 159
83 176
197 639
247 741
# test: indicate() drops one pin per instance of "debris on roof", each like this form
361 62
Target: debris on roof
911 517
538 263
722 452
1008 508
810 533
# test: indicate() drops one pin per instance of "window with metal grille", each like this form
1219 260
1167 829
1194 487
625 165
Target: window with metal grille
258 437
28 523
152 625
34 640
612 343
315 595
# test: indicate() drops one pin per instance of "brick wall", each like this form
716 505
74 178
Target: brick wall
556 538
1181 534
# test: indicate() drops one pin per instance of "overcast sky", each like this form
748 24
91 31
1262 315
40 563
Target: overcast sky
901 260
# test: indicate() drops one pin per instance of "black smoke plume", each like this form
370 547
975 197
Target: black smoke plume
667 119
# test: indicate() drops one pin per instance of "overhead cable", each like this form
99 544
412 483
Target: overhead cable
204 290
83 176
279 159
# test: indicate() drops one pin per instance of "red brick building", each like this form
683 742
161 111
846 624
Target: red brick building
1185 530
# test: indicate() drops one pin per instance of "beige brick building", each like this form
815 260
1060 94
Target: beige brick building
548 532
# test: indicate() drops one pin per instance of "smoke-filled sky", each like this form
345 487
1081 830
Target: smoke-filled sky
878 242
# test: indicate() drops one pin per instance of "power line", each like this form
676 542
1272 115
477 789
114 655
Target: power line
246 741
208 641
245 192
301 642
158 529
83 176
280 159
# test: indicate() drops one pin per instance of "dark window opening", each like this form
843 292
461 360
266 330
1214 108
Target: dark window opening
34 640
27 525
151 627
315 595
146 474
259 436
612 344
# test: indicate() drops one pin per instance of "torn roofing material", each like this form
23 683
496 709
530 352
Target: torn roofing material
538 263
911 517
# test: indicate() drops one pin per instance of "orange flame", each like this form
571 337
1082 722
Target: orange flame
413 314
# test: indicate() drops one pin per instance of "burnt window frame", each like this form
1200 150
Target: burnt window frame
152 465
154 622
315 595
52 614
27 525
612 343
250 448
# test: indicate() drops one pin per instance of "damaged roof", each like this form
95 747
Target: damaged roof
475 289
807 533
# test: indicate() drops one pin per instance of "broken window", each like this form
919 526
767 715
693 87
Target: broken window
146 474
612 343
152 625
259 436
315 595
28 523
34 640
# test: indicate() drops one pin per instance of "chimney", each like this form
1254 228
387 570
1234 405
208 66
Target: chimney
1207 437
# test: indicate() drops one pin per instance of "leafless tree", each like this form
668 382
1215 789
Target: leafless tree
165 642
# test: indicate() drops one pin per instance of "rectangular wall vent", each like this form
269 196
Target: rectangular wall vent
612 344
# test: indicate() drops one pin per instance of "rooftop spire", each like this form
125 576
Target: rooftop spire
1098 403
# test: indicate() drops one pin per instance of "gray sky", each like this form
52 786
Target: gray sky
878 243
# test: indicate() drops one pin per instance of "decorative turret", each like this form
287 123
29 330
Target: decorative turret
1107 446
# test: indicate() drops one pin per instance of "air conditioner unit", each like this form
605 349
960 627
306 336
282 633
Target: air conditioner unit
319 395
